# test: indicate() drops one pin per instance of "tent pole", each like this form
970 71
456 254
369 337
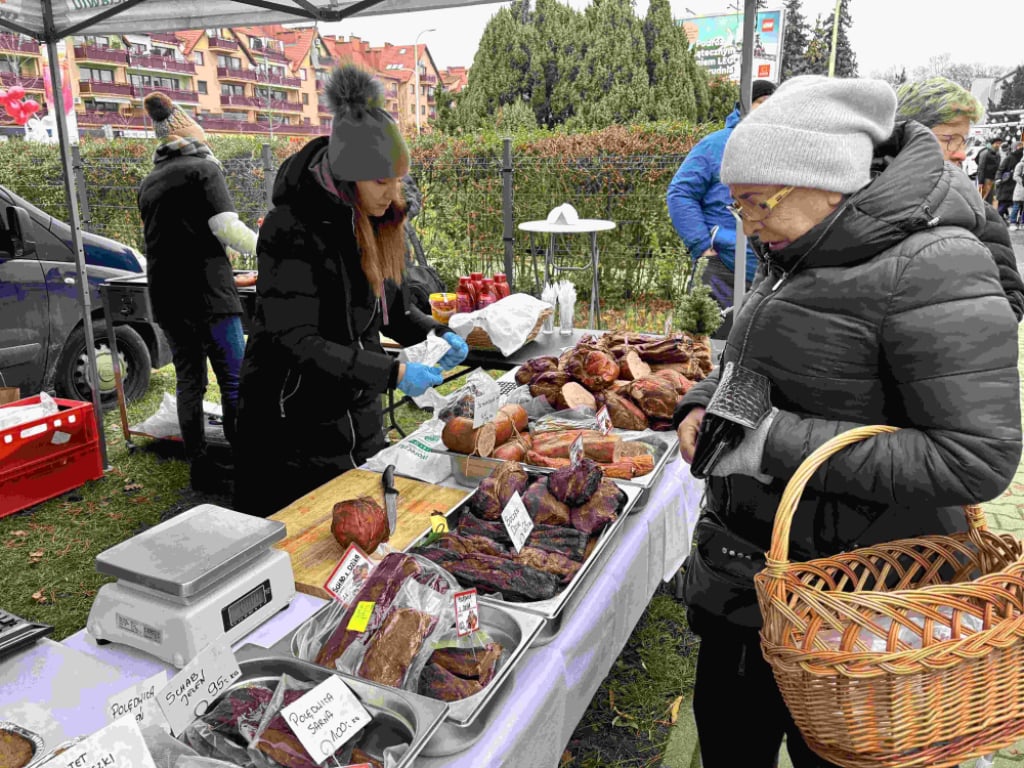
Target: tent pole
81 278
739 278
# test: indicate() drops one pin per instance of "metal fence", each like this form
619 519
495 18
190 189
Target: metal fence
465 216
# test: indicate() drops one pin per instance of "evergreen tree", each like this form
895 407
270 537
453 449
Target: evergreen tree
500 70
795 45
821 45
698 77
817 51
671 92
612 81
554 63
1013 94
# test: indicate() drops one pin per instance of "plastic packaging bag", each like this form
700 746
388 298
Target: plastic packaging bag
479 387
22 414
427 352
413 456
508 322
559 421
225 731
164 423
433 681
969 625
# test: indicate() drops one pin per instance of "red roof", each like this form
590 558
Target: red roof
190 38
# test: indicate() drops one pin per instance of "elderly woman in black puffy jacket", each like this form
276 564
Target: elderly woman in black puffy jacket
876 305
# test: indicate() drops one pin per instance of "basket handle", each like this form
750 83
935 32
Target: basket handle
778 555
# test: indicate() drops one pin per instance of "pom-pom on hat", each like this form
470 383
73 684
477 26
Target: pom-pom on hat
365 140
169 120
815 132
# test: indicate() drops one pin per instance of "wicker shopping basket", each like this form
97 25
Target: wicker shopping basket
908 654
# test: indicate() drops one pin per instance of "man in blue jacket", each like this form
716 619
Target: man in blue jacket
698 203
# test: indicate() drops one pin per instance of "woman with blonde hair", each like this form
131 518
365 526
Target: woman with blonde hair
314 368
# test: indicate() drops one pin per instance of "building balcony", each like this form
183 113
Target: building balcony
270 55
101 117
164 37
230 73
18 44
428 78
232 100
187 97
222 44
278 105
103 55
95 88
161 63
282 80
7 79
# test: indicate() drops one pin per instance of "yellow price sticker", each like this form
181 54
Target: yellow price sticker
438 523
361 617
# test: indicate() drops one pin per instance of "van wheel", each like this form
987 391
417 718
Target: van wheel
72 378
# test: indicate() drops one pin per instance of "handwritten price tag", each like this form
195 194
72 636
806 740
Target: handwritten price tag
139 701
517 521
604 421
576 450
487 398
349 575
190 693
467 615
326 717
118 745
361 617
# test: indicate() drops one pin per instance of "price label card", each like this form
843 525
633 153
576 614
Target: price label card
349 575
438 522
487 399
361 617
467 615
190 693
517 521
576 450
117 745
326 717
139 701
604 421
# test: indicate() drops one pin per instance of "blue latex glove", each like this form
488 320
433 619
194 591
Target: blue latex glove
418 378
457 353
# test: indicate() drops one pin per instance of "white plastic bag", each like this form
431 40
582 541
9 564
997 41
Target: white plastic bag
427 352
164 423
22 414
507 322
414 456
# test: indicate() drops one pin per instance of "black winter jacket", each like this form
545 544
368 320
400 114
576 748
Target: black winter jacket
888 312
314 367
995 236
988 164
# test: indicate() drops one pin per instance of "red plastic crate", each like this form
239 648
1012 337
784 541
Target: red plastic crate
47 457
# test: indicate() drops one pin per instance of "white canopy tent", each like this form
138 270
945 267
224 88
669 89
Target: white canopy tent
50 21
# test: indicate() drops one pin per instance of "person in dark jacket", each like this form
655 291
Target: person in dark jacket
698 203
1005 182
948 110
988 166
878 306
188 220
314 367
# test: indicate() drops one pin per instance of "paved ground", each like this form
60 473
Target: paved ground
1004 514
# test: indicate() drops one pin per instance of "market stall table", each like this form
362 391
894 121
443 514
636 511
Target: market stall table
547 696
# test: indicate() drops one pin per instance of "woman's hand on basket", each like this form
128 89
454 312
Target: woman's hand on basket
687 432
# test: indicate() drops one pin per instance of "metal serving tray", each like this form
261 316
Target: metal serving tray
553 608
399 717
466 719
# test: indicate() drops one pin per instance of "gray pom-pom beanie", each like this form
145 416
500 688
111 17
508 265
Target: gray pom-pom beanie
365 142
814 132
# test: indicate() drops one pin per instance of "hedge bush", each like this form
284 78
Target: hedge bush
619 173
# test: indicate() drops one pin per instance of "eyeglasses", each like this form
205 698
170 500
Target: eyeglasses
760 211
954 142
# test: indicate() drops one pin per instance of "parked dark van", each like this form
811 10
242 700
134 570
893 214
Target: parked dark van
42 339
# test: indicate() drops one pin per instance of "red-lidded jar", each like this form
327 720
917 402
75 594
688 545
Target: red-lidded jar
477 281
464 298
501 285
487 295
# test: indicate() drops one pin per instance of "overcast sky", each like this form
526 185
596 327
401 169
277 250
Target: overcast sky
884 32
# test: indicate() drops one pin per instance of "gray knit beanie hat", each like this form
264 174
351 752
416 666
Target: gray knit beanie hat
814 132
365 140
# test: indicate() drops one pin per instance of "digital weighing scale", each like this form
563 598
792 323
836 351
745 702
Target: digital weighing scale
207 574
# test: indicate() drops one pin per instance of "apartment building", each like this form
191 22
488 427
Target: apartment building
243 80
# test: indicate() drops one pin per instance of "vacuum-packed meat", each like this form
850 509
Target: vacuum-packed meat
476 663
393 647
439 683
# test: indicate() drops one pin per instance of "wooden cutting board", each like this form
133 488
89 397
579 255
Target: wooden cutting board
311 544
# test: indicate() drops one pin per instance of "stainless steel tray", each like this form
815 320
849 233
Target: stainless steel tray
552 608
466 719
398 716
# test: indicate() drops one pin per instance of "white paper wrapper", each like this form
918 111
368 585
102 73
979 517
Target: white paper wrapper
507 322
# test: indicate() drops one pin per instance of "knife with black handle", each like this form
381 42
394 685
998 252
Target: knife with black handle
390 497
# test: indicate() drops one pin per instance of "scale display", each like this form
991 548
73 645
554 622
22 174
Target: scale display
239 610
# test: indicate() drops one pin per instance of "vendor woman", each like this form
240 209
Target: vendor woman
314 368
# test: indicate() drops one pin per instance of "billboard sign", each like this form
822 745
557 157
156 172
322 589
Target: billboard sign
718 42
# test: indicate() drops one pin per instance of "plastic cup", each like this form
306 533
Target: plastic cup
443 306
565 311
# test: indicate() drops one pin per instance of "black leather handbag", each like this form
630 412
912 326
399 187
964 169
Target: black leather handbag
741 402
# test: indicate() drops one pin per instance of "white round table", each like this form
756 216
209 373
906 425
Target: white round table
582 226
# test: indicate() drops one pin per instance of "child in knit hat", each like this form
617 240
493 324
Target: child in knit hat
875 305
189 220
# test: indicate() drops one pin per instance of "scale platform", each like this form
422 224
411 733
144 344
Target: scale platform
208 574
